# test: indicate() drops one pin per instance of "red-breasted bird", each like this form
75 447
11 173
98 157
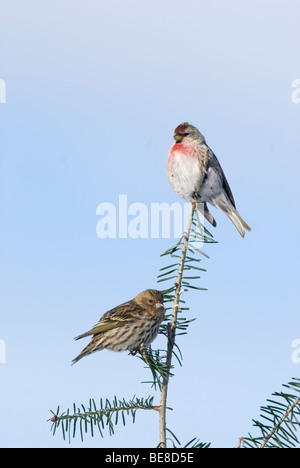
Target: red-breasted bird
184 167
127 326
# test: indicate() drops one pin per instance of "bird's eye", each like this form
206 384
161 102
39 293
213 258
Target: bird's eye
151 301
179 136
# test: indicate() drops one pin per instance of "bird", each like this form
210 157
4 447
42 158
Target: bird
185 168
127 326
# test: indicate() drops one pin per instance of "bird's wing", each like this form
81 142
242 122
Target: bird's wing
123 313
130 310
100 327
216 166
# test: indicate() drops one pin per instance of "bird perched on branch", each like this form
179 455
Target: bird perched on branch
184 169
127 326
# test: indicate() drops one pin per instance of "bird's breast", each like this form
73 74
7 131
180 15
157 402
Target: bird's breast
183 171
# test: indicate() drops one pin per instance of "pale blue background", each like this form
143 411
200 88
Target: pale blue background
94 92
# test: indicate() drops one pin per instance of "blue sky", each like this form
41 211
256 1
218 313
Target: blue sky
94 91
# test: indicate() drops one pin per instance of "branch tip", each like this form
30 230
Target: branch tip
241 442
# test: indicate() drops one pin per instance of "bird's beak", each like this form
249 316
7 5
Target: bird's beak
159 305
178 138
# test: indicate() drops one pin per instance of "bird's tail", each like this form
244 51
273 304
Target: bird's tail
89 349
203 209
224 204
238 221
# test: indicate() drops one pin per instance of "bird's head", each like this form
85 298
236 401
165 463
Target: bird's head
151 299
187 133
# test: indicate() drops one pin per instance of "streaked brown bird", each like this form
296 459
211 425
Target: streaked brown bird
127 326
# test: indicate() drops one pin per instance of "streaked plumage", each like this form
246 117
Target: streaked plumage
127 326
184 167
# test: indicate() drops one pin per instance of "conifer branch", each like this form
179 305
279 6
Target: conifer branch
171 328
98 416
158 361
284 417
280 420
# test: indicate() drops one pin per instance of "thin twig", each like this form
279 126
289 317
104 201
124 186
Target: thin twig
172 325
275 428
107 411
241 442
